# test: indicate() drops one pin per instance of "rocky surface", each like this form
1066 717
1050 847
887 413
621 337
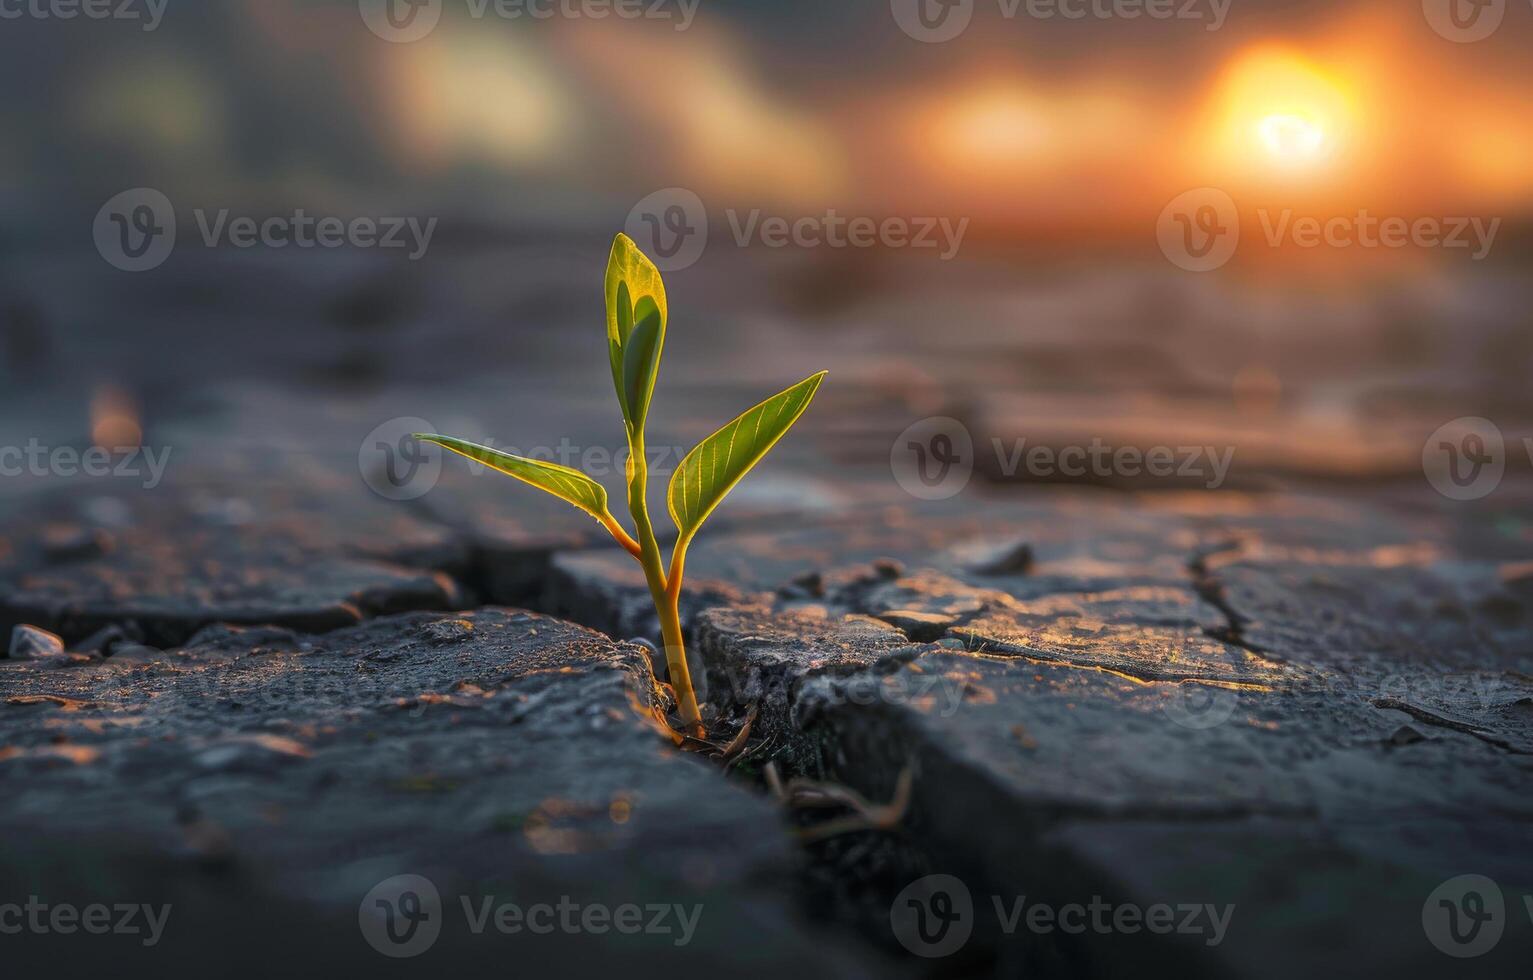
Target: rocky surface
170 561
1314 708
1309 728
263 782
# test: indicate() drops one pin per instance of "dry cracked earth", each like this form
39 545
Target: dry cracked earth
1259 732
1285 719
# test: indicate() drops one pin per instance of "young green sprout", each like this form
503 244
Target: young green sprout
636 321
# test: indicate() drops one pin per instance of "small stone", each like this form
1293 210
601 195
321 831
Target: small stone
1012 559
31 643
1406 735
811 584
447 631
921 627
888 568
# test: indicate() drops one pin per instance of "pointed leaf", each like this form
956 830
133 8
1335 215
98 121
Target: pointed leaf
641 362
569 485
631 280
717 463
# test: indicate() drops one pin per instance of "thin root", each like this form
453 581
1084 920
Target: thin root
807 794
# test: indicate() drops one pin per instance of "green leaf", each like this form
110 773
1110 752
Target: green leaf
569 485
641 362
719 462
633 288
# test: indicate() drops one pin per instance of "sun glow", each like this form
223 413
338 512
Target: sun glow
1291 139
1276 114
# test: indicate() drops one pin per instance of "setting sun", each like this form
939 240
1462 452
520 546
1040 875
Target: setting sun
1276 113
1291 139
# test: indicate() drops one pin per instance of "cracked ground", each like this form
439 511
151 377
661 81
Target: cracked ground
1288 709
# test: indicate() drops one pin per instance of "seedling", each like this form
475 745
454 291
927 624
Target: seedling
636 321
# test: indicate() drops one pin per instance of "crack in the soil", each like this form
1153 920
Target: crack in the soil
1439 721
1206 585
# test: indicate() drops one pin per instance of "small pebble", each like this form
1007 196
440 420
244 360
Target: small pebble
1013 559
1406 735
32 643
447 631
888 568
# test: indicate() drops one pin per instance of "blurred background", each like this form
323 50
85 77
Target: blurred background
1042 147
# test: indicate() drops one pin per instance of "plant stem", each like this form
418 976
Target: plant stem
676 663
629 544
664 593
